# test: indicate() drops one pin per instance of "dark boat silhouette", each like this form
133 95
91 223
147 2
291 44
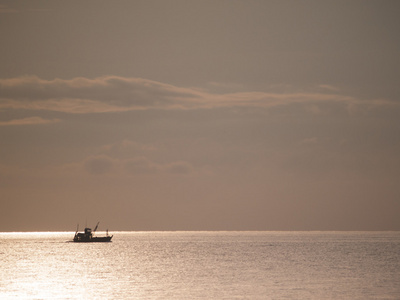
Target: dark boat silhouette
88 237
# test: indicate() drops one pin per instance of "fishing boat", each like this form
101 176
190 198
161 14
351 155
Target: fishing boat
88 236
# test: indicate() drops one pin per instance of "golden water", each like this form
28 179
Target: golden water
202 265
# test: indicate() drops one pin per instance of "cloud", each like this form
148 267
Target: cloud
28 121
82 95
115 94
127 148
140 166
135 159
329 87
179 167
99 165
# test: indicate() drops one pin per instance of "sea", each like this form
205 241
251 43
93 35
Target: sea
202 265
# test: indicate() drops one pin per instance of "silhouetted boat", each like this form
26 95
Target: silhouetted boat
88 237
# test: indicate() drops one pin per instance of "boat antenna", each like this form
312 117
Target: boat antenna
77 228
96 227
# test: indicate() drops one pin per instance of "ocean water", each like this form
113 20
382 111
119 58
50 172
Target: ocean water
202 265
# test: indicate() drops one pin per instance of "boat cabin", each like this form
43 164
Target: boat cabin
83 236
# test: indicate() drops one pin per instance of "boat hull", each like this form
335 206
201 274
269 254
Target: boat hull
103 239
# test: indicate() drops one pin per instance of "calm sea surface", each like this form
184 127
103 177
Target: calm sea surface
202 265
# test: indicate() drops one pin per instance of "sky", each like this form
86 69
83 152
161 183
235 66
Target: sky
200 115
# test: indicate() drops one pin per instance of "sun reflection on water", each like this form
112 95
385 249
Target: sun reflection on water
209 265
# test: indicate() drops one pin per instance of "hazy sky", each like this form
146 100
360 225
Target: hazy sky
200 115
